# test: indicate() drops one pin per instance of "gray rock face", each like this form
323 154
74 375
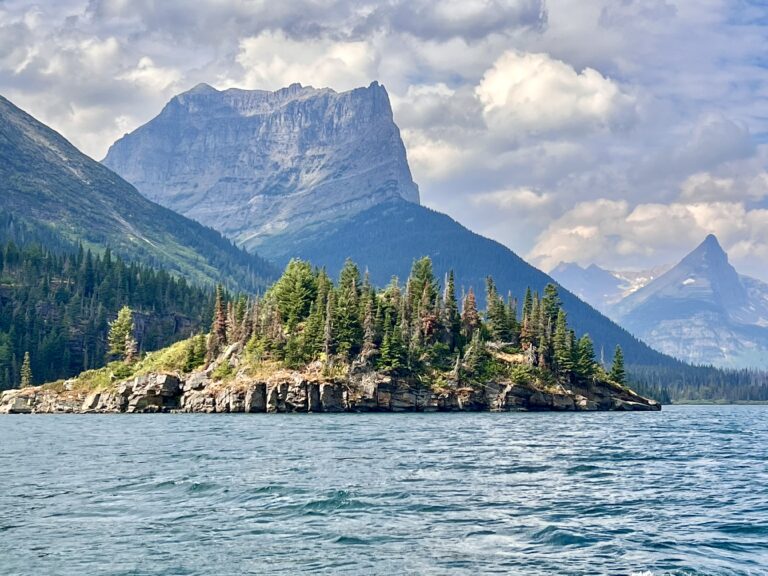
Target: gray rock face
251 162
366 391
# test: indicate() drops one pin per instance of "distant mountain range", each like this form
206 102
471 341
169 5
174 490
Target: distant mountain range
700 310
321 175
51 192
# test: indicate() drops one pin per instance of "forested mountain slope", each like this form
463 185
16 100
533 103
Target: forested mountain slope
57 306
49 190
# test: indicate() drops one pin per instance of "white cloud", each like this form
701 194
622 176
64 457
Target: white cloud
272 60
615 132
613 233
538 94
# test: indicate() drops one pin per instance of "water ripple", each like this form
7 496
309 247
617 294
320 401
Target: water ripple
681 492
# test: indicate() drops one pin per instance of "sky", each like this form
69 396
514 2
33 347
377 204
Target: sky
616 132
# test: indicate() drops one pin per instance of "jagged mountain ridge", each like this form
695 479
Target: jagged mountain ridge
253 163
51 192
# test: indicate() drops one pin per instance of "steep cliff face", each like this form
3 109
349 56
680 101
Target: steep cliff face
251 163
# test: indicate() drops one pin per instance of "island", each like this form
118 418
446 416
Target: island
311 345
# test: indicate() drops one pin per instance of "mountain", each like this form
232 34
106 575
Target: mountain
702 311
387 238
323 176
593 284
253 163
603 288
51 192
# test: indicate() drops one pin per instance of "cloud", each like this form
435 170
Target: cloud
613 233
535 93
616 132
272 60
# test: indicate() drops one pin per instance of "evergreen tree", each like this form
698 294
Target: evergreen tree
26 371
476 358
294 292
527 304
470 318
496 315
219 325
451 317
551 304
618 374
329 341
393 358
586 366
120 331
348 330
560 345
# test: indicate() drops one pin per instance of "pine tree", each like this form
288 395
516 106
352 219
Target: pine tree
26 371
470 318
120 330
496 315
618 374
586 366
527 303
560 345
348 330
477 357
294 292
394 356
369 331
551 304
451 317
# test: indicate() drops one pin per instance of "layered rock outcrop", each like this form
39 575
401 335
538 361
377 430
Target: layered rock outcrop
296 392
252 163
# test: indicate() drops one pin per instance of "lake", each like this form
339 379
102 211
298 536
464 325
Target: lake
682 491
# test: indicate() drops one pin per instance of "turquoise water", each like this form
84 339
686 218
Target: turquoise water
683 491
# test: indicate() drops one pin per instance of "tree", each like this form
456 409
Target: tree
295 292
120 331
451 317
550 304
496 314
560 346
347 327
586 367
26 371
219 324
394 356
477 357
618 374
470 319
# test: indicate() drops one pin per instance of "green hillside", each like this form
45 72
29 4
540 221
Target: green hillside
51 191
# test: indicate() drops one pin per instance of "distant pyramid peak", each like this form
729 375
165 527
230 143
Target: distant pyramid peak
709 250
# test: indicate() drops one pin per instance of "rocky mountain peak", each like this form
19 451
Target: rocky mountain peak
709 251
255 163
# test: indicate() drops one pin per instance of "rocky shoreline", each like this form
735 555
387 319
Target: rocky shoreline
295 392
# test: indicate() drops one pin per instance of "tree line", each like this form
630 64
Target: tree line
55 309
403 329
